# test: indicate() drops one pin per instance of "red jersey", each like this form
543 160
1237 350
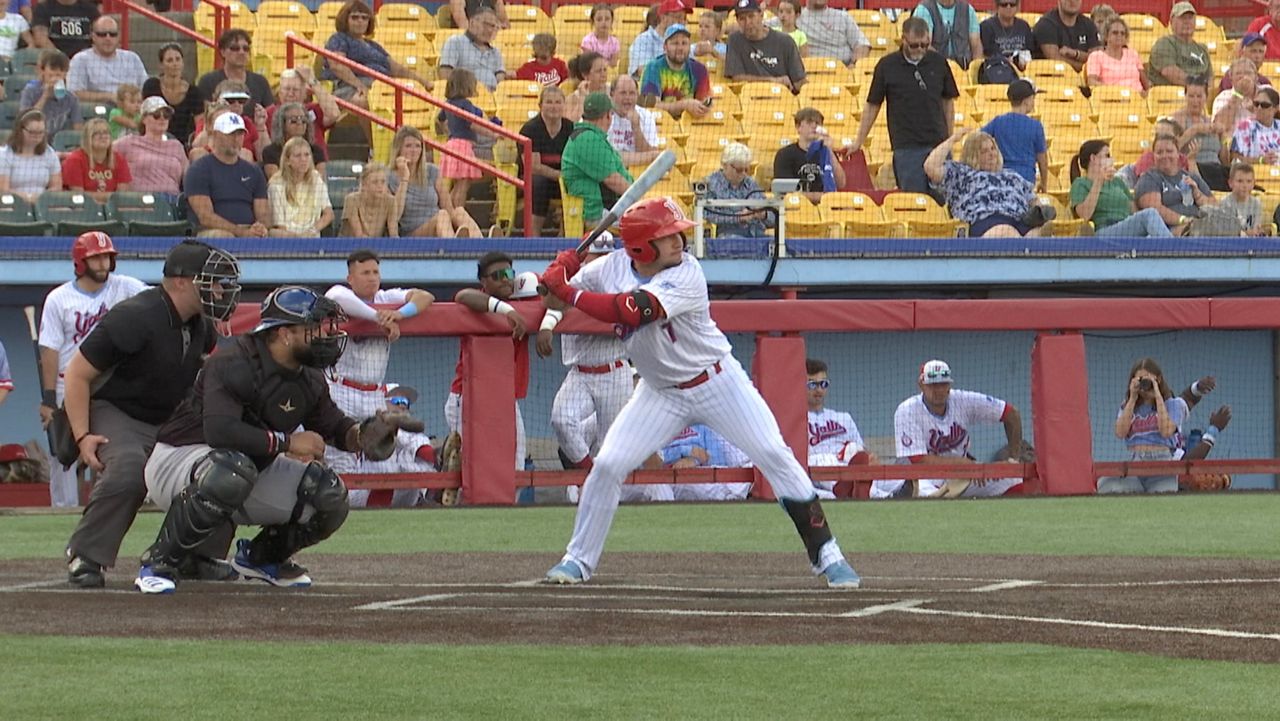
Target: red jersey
1264 27
553 73
77 173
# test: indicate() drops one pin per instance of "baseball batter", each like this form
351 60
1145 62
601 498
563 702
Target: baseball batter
356 382
598 381
70 311
655 294
933 427
834 439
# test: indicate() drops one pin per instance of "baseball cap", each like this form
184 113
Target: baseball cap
603 244
1021 89
1251 38
595 106
673 29
935 371
746 6
229 123
1182 8
526 285
673 6
233 95
154 103
187 259
408 393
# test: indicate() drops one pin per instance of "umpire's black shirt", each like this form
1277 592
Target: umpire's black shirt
914 93
243 399
147 355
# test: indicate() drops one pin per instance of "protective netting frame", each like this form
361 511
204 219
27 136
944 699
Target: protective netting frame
1059 418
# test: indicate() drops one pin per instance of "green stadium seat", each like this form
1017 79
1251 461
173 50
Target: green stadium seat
14 84
66 141
344 169
24 61
17 217
72 212
145 214
8 113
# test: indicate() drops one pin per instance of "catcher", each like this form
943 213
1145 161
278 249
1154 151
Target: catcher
247 447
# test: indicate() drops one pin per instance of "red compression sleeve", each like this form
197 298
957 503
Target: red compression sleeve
613 307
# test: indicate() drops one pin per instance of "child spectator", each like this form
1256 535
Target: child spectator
126 117
300 206
710 30
545 68
372 211
48 93
788 11
462 135
1242 201
601 38
95 167
1020 136
12 28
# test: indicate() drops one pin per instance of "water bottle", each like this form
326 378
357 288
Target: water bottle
1184 186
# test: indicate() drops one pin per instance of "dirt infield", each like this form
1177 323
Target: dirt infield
1194 608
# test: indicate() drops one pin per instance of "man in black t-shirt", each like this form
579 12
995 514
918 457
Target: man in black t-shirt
758 53
63 24
245 447
920 91
125 380
1066 34
794 161
1008 35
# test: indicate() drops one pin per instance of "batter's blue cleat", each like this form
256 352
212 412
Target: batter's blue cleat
564 573
286 574
841 575
148 581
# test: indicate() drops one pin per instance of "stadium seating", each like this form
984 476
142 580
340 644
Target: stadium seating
72 212
145 214
18 217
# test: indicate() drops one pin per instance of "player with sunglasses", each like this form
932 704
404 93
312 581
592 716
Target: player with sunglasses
933 427
95 76
413 454
834 439
920 92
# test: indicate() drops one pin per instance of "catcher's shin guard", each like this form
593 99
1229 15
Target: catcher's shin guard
323 490
811 524
220 484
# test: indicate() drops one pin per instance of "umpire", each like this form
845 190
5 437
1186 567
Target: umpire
125 380
246 447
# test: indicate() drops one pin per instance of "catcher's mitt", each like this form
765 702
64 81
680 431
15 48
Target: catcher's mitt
1205 482
450 459
378 433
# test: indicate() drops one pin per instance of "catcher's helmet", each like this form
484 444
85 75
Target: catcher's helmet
295 305
648 220
95 242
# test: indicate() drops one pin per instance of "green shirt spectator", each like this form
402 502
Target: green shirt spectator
590 167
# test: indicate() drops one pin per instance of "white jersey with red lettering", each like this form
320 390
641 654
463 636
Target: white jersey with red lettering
682 345
69 315
687 375
598 384
921 433
834 439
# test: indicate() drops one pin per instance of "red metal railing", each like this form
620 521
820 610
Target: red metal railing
221 21
525 184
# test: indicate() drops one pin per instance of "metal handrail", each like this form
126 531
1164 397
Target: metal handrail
525 184
221 21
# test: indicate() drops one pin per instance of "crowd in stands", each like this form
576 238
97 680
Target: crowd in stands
842 101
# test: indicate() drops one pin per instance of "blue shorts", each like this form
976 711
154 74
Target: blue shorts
979 228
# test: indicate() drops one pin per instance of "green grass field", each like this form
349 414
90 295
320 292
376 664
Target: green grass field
72 678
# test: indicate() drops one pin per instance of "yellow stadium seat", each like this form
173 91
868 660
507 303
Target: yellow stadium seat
509 89
327 16
382 99
572 224
1030 17
869 20
828 71
1127 147
574 16
404 17
716 116
629 18
1113 119
241 17
274 17
515 112
1143 23
270 56
921 214
1165 100
530 19
1052 72
768 117
1209 31
1142 44
803 219
856 215
1115 95
709 141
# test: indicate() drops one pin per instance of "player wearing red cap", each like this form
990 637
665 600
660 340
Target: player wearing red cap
70 311
656 295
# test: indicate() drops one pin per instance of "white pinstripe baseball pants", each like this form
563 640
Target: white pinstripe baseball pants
731 406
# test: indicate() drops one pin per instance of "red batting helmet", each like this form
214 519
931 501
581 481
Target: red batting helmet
648 220
95 242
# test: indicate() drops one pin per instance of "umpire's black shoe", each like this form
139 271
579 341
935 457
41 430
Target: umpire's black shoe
203 568
84 573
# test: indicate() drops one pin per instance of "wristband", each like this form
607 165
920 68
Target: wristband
1209 437
1182 220
1195 390
499 306
408 310
551 319
48 398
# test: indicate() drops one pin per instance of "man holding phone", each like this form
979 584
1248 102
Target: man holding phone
674 81
757 53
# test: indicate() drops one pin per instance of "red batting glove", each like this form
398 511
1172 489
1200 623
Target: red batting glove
570 261
556 280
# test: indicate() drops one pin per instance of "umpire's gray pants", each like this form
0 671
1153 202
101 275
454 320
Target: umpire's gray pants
119 489
271 503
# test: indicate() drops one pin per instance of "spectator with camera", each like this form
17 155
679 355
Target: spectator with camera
733 181
1149 423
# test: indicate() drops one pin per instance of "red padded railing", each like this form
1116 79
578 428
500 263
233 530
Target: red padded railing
221 21
525 184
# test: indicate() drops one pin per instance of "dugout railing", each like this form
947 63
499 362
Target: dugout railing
1058 418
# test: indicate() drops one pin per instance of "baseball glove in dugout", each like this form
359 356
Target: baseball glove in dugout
378 433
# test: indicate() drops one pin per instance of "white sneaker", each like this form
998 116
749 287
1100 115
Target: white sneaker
148 581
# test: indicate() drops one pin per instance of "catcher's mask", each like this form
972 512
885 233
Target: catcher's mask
295 305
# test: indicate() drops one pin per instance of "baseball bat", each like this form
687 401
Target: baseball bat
665 161
30 312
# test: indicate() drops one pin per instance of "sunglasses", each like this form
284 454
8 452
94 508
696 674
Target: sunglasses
504 274
242 101
107 33
823 384
918 46
162 115
920 80
400 401
1257 104
938 375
